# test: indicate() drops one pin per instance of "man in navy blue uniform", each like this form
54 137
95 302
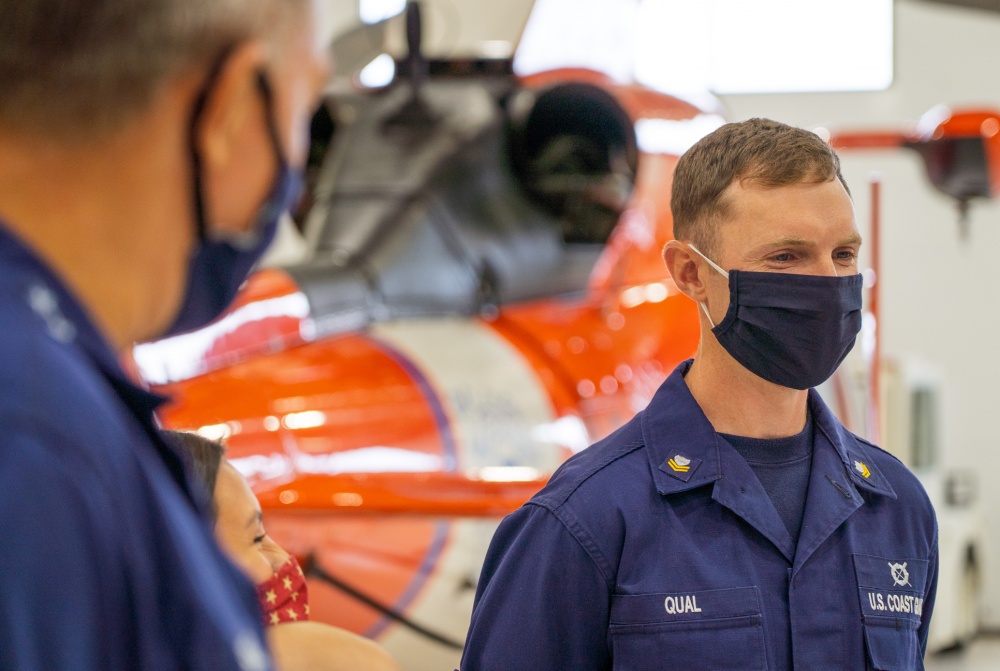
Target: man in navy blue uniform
734 523
147 148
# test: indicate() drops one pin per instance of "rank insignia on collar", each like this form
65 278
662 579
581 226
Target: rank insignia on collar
680 466
862 468
679 463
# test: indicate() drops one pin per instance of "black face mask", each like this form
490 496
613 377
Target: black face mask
792 330
218 267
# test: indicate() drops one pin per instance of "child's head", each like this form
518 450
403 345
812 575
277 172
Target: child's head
239 523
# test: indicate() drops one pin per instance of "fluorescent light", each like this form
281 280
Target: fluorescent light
379 73
373 11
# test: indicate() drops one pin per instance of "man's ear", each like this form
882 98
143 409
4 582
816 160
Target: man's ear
686 270
230 105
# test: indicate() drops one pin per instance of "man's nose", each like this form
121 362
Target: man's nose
825 267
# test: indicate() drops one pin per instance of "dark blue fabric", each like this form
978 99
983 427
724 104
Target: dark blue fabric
218 268
106 560
625 562
791 329
216 271
782 466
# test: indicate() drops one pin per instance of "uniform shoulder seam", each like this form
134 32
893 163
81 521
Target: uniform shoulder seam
583 539
545 498
557 505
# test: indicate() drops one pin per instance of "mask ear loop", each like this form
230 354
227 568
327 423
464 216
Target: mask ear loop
269 210
267 96
200 224
704 308
709 261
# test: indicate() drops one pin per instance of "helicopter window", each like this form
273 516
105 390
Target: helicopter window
575 153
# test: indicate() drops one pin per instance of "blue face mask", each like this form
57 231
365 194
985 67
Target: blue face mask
219 266
792 330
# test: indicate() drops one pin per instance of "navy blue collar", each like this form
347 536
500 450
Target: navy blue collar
25 278
674 426
685 452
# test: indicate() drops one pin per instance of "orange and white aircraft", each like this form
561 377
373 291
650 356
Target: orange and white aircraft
482 295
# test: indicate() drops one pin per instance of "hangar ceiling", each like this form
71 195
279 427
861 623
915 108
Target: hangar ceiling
990 5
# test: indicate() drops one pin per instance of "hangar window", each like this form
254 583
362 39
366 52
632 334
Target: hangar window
723 46
373 11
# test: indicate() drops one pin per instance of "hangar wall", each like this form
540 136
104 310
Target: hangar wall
939 293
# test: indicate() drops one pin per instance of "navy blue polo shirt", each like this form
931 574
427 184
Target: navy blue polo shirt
658 548
105 560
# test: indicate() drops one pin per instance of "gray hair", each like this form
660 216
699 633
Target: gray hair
80 68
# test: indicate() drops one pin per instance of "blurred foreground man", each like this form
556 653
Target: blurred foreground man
734 524
147 148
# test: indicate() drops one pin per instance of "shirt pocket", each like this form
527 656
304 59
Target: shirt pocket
891 591
710 630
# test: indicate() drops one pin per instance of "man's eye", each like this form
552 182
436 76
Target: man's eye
259 539
784 257
847 255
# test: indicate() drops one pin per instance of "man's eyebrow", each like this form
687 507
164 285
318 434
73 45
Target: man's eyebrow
791 241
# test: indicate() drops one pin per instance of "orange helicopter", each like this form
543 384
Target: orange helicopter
482 296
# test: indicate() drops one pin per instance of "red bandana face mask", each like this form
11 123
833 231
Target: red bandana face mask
284 597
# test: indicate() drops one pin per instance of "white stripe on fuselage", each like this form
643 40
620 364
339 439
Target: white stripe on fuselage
494 401
496 406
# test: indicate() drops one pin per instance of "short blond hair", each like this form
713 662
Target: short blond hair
761 151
